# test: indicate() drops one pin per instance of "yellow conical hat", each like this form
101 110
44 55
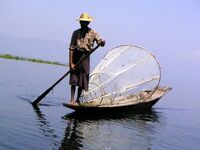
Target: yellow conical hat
85 17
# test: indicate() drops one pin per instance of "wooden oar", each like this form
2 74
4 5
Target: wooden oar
50 88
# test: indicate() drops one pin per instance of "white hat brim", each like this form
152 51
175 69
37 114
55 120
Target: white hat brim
84 19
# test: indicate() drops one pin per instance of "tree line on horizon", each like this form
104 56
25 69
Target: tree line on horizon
8 56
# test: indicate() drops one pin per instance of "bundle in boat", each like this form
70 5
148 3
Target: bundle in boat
126 74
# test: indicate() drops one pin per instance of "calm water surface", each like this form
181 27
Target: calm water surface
173 123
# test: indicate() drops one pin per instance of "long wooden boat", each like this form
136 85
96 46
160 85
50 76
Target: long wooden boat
145 101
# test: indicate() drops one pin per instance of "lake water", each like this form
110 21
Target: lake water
173 123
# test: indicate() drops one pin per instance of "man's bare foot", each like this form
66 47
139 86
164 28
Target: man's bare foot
78 102
72 102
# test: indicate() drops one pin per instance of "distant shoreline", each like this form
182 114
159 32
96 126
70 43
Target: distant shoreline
8 56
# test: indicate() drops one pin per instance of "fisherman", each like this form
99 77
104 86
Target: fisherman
82 42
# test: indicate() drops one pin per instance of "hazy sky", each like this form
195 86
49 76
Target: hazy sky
169 29
121 21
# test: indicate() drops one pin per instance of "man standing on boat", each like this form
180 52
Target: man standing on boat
82 42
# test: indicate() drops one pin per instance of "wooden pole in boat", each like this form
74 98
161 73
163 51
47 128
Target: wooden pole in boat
58 81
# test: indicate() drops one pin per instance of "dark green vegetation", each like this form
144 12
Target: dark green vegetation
8 56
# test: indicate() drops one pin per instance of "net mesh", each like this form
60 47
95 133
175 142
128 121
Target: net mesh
123 74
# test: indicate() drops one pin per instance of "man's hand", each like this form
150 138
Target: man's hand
103 42
72 66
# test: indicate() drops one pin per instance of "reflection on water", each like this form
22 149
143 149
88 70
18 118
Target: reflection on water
44 125
110 128
103 131
72 140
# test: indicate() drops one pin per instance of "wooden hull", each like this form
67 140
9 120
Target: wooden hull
140 105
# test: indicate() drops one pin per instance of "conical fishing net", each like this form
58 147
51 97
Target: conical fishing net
122 75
